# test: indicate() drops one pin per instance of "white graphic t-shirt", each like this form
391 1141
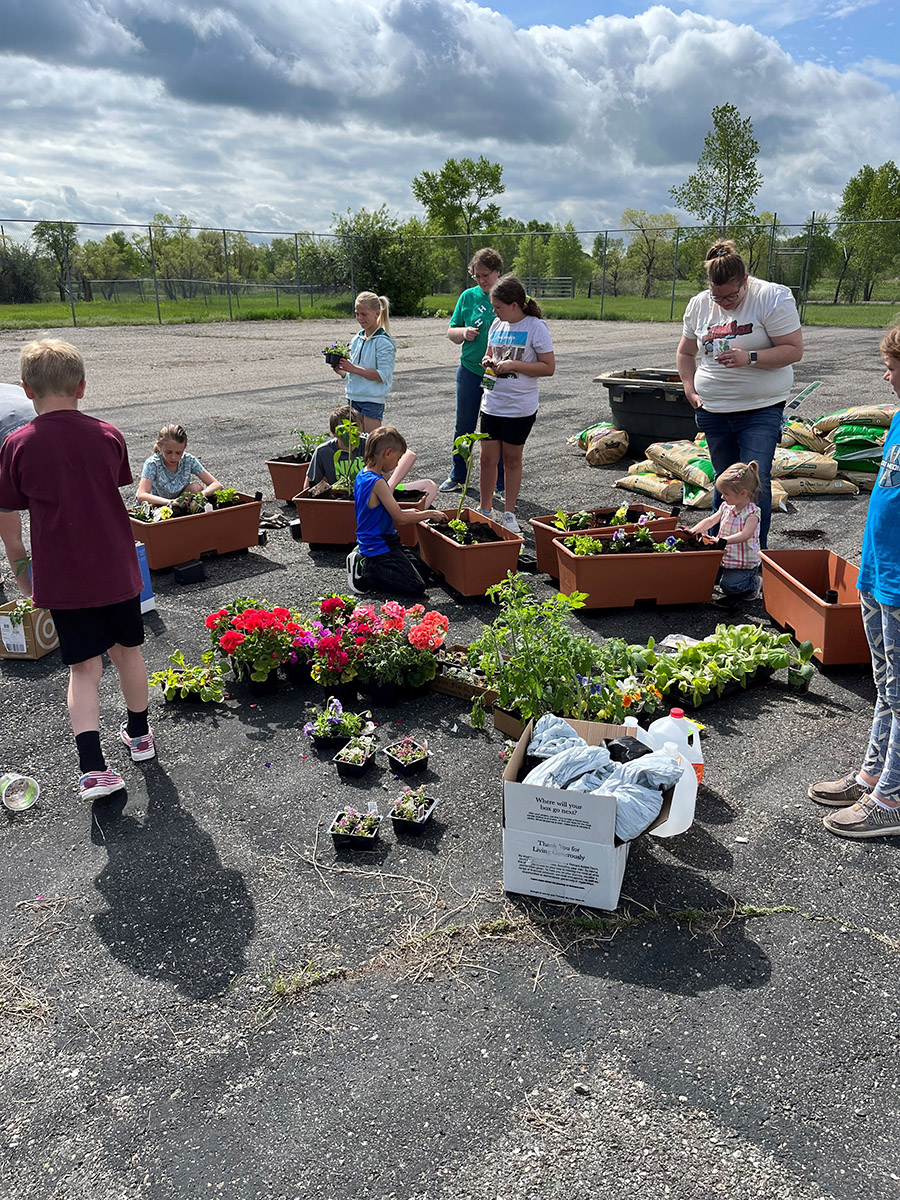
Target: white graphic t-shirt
515 395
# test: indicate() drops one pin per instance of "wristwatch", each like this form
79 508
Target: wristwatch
752 354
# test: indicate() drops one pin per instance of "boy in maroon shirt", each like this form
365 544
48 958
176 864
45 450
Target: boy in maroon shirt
66 468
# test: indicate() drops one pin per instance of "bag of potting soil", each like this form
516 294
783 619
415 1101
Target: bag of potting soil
697 497
860 414
779 497
606 446
864 480
802 464
798 433
645 467
657 486
858 446
684 460
819 487
583 439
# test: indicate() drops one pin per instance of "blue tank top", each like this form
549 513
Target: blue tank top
372 524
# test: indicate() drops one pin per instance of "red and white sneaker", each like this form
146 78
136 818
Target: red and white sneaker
96 784
141 747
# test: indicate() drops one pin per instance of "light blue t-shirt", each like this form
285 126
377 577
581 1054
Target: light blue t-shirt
168 484
879 569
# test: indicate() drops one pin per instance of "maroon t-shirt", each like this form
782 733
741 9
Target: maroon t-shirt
66 468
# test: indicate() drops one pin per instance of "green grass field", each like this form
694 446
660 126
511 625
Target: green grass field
263 307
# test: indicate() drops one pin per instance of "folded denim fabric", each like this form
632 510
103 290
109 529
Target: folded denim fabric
562 768
552 734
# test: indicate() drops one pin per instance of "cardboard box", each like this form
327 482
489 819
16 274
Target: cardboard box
459 687
560 844
34 638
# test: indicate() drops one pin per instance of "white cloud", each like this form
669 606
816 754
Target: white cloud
276 113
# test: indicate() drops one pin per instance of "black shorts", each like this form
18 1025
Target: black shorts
89 632
514 430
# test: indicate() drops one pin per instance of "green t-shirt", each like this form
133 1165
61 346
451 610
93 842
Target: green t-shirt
473 308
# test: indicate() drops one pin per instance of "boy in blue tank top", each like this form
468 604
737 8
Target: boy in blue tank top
379 563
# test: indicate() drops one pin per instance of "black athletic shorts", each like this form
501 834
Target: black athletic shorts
514 430
88 632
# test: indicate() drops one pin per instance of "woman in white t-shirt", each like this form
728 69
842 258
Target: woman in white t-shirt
739 340
519 353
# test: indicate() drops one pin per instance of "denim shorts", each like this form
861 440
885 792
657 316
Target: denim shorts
368 408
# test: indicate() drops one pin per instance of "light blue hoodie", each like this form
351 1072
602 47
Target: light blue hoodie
378 352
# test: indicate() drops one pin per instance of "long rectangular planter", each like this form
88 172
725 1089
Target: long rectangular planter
621 580
182 538
470 569
288 478
794 585
333 522
545 531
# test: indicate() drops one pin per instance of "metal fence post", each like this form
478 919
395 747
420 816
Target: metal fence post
352 275
603 276
65 250
227 277
772 237
155 280
674 276
531 286
297 268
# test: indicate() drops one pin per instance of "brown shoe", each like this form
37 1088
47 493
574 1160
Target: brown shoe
864 820
837 793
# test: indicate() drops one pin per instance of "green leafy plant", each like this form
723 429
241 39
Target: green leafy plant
189 503
347 469
339 348
17 613
458 529
800 667
226 496
620 516
358 749
463 446
333 720
306 443
578 520
411 804
583 545
186 679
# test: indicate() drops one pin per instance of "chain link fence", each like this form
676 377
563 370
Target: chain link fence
166 271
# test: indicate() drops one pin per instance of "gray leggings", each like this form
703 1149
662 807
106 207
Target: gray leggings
882 625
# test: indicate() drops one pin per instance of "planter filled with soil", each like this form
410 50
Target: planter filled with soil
233 526
619 579
288 474
794 587
545 531
329 519
470 568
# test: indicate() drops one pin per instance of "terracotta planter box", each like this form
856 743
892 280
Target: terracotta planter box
182 538
288 478
545 531
470 569
333 522
620 580
794 584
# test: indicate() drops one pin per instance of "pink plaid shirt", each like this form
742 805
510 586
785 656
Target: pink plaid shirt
741 556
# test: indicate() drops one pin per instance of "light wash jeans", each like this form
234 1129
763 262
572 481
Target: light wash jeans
745 437
882 626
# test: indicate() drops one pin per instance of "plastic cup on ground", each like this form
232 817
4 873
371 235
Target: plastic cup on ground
18 792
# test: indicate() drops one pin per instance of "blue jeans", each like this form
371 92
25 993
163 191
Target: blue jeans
882 626
745 437
468 406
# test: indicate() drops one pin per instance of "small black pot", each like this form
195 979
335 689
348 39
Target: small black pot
797 681
347 693
333 359
331 743
259 687
297 673
407 768
401 825
386 694
353 770
354 841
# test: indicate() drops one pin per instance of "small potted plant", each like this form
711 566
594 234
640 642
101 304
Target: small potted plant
185 681
288 471
801 670
332 726
335 352
356 830
411 809
407 756
355 758
255 638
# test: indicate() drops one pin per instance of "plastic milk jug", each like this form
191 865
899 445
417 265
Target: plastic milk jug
684 733
684 800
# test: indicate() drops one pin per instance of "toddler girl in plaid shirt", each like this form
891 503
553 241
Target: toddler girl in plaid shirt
738 520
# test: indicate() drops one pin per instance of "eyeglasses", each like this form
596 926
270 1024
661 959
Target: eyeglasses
730 297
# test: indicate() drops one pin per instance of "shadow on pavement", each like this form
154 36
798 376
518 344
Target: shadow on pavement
174 911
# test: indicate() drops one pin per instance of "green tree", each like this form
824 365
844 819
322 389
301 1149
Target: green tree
22 273
721 192
608 256
567 257
650 252
389 259
866 233
58 241
109 260
456 198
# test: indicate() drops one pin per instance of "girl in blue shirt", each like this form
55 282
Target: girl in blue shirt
369 371
169 471
868 801
379 563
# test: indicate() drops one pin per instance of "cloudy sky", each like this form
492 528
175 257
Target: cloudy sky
273 114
